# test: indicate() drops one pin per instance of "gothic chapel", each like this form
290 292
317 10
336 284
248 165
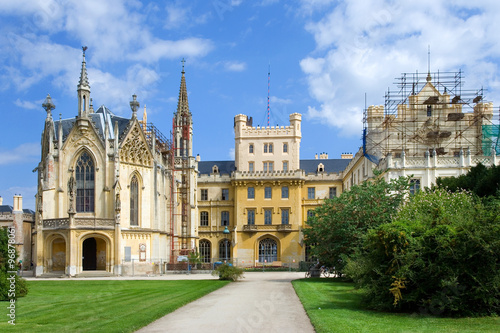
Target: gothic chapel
108 191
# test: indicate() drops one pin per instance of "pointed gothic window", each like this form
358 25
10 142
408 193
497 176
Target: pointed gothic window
268 250
84 183
205 250
134 201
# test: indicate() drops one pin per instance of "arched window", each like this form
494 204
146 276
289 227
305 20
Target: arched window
205 250
84 183
225 250
268 250
134 201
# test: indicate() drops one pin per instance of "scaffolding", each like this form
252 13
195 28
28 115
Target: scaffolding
430 113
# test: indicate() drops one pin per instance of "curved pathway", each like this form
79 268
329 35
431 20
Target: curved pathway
261 302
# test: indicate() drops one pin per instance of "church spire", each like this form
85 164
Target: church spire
83 89
182 104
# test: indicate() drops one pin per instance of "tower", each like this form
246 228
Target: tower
184 169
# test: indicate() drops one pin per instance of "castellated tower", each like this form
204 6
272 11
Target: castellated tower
267 149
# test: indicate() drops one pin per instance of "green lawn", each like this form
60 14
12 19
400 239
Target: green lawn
101 306
336 306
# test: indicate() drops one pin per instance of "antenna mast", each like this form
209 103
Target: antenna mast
268 88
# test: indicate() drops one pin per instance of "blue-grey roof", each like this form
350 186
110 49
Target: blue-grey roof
10 209
331 165
309 166
225 167
102 116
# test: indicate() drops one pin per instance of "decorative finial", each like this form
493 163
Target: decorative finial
134 105
84 48
48 106
183 62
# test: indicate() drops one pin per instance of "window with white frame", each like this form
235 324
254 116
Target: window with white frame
204 219
285 166
250 166
204 194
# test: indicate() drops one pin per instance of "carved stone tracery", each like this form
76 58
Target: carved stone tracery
134 150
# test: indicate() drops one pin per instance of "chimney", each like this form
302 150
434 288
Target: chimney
315 156
198 158
346 156
1 200
18 203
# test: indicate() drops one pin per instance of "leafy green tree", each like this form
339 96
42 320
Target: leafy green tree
337 226
438 256
5 284
483 181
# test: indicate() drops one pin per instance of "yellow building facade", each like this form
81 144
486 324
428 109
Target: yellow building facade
252 210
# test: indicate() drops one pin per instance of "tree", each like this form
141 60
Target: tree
5 282
483 181
337 226
438 256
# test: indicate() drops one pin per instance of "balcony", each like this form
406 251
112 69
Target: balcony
250 228
284 227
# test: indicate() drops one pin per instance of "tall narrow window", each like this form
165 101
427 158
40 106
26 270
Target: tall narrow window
251 216
271 166
284 192
205 250
285 216
134 201
84 183
250 149
285 166
270 147
225 250
265 167
429 110
204 219
225 194
251 193
250 166
204 194
414 186
265 147
285 147
268 216
268 192
332 192
311 193
224 218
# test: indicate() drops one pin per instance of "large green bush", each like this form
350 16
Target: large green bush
438 256
336 228
228 272
20 284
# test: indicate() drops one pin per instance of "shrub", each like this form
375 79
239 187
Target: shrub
438 256
228 272
21 288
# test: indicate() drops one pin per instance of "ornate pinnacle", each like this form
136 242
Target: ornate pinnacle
48 106
134 105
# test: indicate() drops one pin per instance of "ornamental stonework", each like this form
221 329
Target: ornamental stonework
134 150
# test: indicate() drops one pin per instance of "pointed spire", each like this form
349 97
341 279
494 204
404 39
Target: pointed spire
182 104
145 116
84 81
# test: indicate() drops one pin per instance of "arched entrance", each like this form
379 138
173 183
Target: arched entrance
58 255
93 254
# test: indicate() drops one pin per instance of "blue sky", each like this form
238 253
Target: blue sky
324 56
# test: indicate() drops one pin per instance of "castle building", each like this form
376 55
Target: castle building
116 196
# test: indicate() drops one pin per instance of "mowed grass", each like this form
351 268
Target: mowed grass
335 306
101 306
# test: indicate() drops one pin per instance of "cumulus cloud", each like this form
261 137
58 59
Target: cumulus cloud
28 104
361 47
26 152
234 66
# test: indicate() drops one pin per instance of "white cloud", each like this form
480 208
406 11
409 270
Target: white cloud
234 66
277 100
231 154
167 49
362 46
28 104
26 152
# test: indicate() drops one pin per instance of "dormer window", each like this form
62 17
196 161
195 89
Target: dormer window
321 167
215 169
